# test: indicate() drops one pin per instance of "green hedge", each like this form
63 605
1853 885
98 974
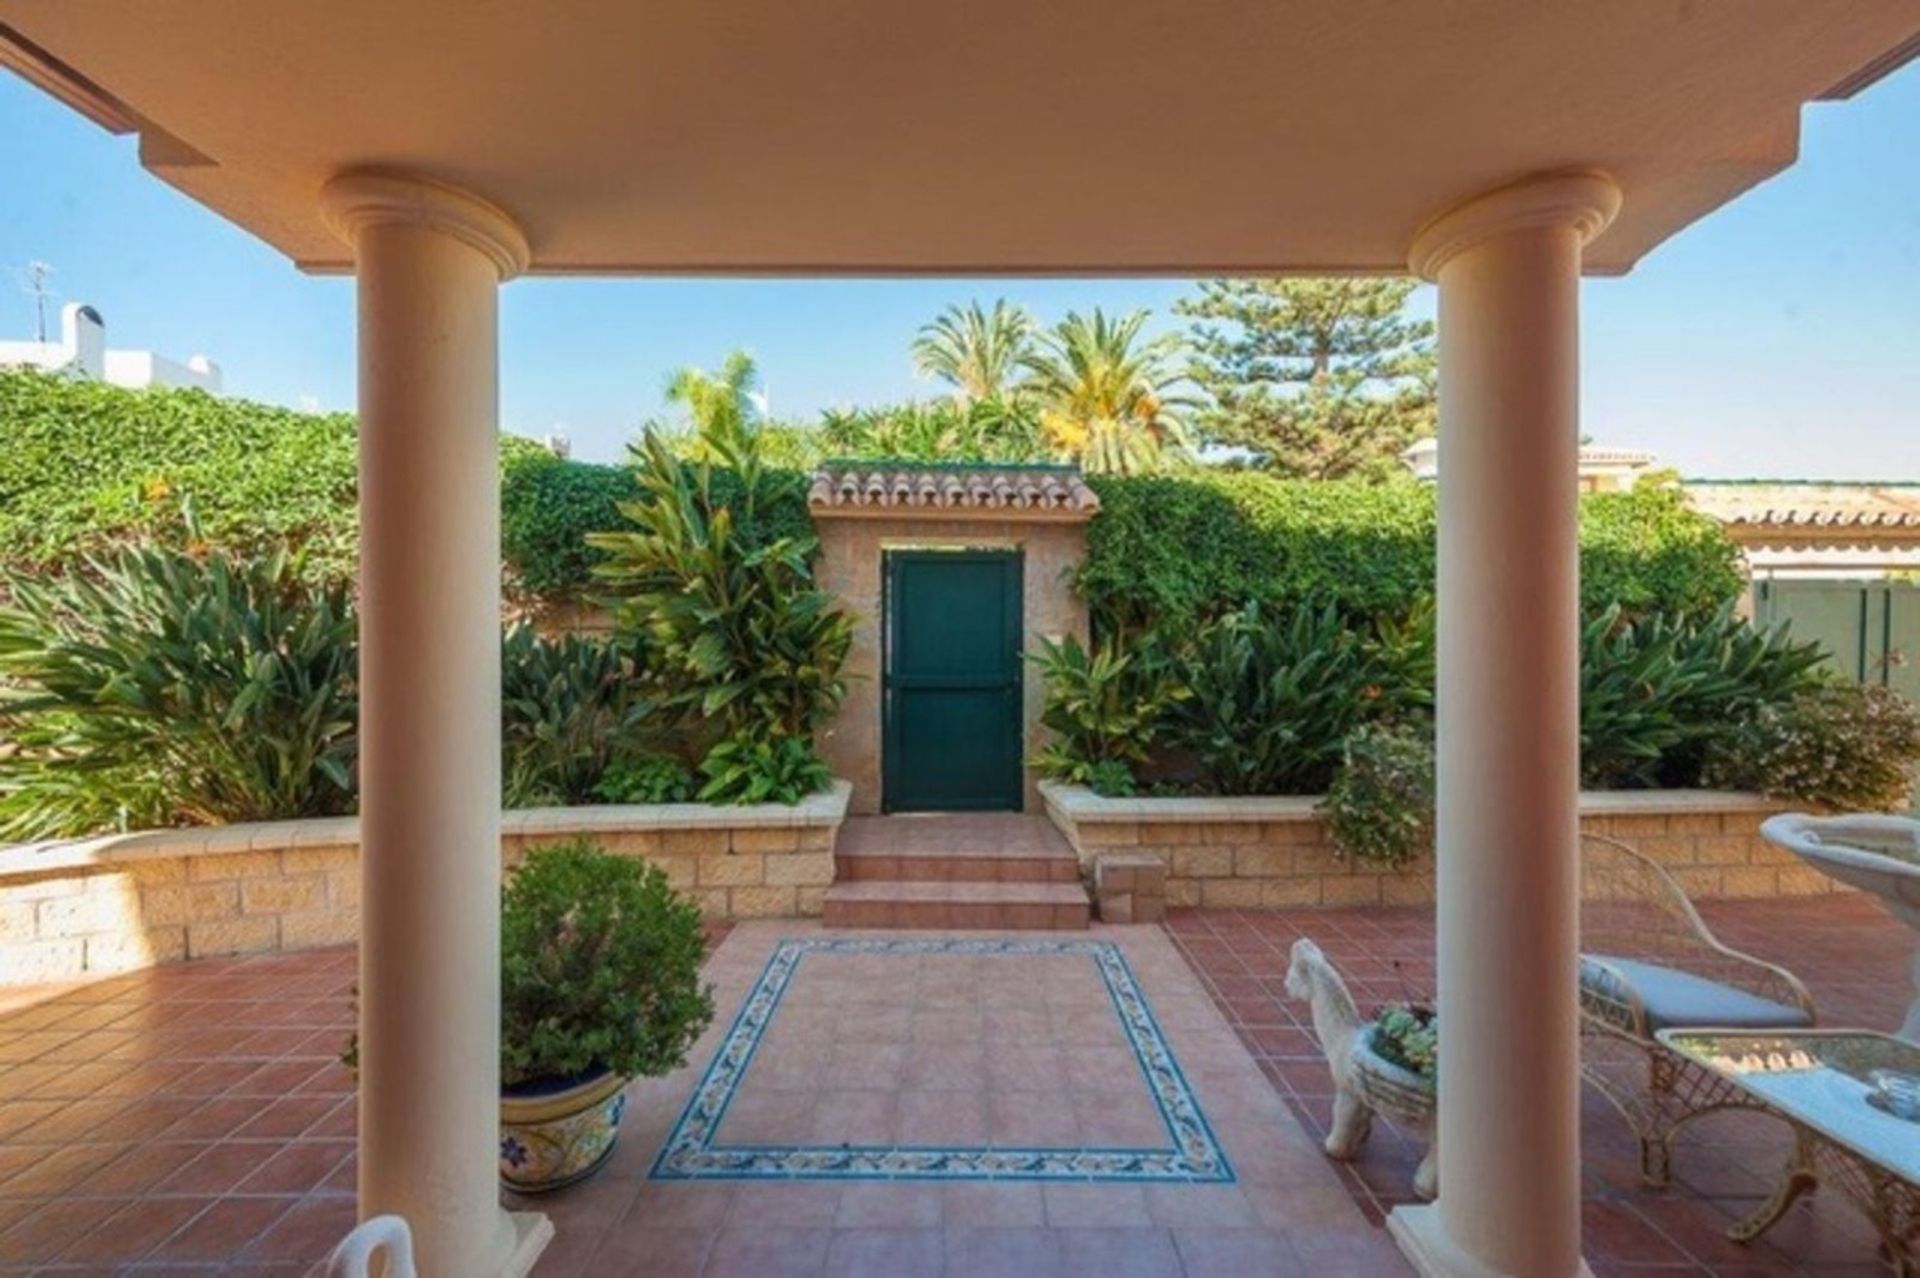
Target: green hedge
84 466
1179 549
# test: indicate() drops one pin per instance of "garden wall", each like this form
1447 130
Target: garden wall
1276 851
87 907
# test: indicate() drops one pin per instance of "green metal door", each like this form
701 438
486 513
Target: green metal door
951 725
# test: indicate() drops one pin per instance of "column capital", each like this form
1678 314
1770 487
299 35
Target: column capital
360 198
1583 199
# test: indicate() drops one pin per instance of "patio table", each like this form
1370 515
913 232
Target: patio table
1817 1081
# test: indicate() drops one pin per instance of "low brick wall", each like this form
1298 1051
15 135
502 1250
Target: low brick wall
85 907
1273 852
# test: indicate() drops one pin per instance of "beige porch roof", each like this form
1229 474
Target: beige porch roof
1002 136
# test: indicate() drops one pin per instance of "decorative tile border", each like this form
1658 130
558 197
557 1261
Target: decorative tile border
1192 1153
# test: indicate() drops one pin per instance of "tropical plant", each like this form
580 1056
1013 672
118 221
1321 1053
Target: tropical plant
1837 745
1656 691
1109 399
652 779
599 967
1103 709
981 354
720 404
1314 378
762 769
1379 808
156 687
943 431
736 631
1274 696
571 708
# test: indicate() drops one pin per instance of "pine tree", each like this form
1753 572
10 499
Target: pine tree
1315 378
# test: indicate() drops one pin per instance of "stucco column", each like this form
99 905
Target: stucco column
1508 266
429 262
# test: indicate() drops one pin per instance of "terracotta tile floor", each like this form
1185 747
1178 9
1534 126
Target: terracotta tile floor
194 1119
963 1051
1851 955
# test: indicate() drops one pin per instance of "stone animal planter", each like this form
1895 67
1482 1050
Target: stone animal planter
558 1133
1365 1083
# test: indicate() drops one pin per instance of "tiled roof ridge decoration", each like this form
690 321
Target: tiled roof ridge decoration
1008 492
1863 507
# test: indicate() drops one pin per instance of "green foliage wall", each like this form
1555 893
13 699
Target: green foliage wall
84 466
1179 550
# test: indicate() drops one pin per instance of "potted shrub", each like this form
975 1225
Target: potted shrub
600 984
1395 1067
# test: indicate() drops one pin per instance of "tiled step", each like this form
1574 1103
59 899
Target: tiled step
896 903
949 849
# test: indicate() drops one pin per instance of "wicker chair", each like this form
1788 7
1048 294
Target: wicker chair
1649 963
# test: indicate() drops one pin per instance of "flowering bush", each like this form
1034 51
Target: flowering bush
1839 746
1380 805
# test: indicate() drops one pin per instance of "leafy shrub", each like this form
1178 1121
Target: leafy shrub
657 779
154 687
1836 745
1103 710
1273 695
1655 692
572 709
763 769
1379 808
1367 549
550 506
736 630
599 967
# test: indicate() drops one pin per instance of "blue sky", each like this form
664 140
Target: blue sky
1779 337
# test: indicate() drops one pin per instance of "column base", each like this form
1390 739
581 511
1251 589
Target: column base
532 1231
1423 1240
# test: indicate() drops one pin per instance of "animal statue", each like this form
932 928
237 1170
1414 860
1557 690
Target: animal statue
1338 1026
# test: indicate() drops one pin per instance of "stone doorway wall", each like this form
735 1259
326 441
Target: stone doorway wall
860 512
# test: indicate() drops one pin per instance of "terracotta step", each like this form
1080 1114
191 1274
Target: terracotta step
895 903
989 848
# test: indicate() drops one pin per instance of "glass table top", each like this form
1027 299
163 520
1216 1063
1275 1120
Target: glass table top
1820 1078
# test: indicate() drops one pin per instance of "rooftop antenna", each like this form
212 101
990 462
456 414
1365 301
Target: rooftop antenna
34 278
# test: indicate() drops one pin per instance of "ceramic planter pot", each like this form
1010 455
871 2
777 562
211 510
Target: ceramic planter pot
555 1133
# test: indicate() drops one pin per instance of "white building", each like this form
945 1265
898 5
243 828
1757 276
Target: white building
81 351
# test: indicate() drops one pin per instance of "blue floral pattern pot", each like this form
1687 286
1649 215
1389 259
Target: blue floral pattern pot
558 1133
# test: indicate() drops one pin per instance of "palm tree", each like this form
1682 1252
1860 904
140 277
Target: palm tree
979 353
1108 399
719 405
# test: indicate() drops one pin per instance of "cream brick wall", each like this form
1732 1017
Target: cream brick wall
1274 853
100 906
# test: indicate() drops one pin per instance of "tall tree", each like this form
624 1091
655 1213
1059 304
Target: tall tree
979 353
718 404
1316 378
1109 398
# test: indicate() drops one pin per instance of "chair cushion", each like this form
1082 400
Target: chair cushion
1672 998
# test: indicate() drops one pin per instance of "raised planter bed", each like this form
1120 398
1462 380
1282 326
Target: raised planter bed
1253 852
81 907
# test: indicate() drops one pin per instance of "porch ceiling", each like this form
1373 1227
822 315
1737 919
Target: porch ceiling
868 136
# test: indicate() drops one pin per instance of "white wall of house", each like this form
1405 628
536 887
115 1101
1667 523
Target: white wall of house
81 351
